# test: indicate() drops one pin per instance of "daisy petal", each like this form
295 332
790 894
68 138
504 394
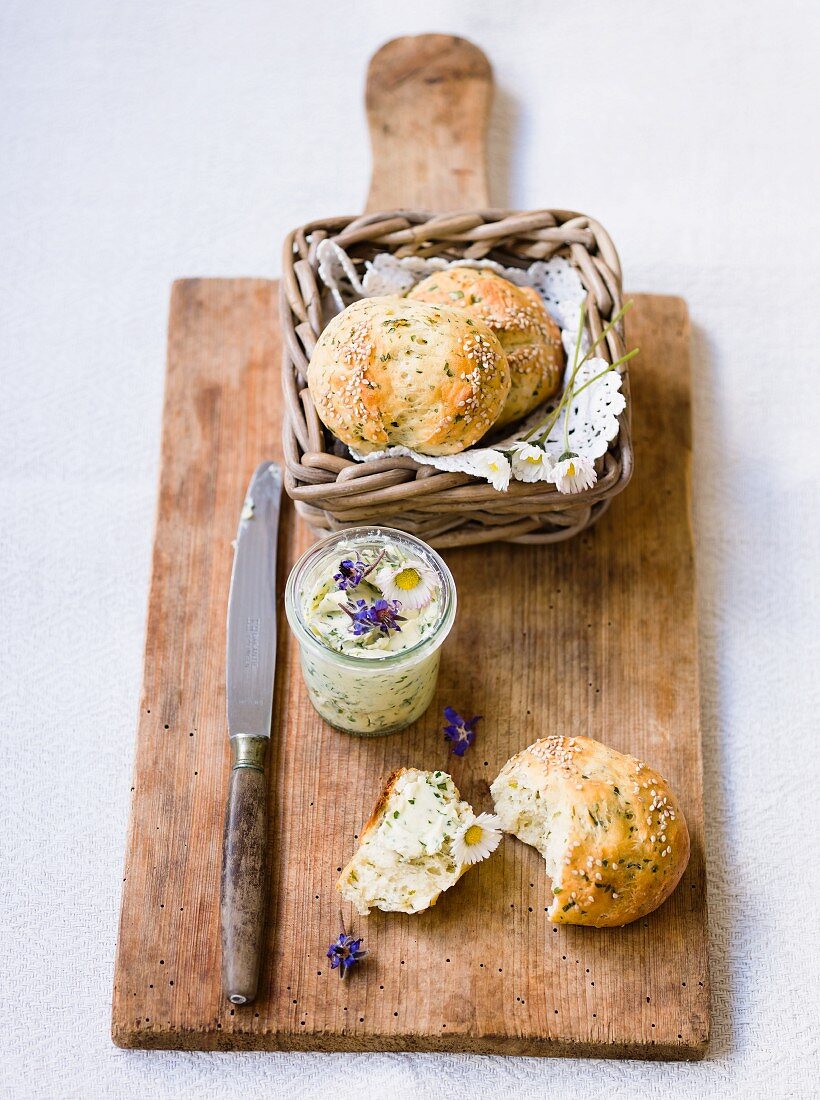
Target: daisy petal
412 583
530 463
477 839
573 473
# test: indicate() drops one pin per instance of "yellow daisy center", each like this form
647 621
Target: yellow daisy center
473 835
407 579
535 459
571 470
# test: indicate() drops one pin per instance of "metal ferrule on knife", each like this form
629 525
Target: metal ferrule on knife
248 751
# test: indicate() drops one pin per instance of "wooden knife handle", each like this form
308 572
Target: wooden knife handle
244 869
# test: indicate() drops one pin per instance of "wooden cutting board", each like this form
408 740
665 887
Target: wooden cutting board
595 636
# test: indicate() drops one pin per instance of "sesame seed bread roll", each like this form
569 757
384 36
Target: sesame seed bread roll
387 371
517 316
609 828
405 857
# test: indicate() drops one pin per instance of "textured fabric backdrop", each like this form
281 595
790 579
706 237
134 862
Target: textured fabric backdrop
142 140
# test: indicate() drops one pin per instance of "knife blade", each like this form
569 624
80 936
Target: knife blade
250 675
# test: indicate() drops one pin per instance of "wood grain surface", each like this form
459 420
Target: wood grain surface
596 636
428 107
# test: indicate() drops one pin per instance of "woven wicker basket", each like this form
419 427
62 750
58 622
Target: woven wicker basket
332 491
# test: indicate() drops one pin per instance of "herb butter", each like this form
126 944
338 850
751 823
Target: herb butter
422 815
370 609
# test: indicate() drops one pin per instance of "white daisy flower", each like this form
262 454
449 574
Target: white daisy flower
412 583
573 473
477 839
530 463
494 466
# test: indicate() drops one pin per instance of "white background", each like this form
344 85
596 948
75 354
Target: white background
141 141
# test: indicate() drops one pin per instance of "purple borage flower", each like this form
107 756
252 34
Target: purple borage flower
381 615
350 574
344 953
459 731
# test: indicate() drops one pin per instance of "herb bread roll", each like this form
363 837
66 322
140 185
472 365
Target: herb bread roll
405 858
517 316
387 371
609 828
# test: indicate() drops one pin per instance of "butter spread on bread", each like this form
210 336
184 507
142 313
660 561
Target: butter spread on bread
405 858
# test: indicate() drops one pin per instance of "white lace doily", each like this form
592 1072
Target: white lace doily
592 418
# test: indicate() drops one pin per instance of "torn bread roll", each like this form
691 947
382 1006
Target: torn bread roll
610 830
405 857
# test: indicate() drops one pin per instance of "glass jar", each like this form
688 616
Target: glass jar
376 694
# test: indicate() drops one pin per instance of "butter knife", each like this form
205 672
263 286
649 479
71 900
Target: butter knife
250 673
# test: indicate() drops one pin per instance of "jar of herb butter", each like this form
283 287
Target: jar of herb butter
370 608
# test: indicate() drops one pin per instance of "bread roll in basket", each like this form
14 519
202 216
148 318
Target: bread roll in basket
516 315
392 371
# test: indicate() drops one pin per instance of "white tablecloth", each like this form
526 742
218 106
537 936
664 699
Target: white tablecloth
142 140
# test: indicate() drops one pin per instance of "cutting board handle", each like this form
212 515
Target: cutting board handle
428 106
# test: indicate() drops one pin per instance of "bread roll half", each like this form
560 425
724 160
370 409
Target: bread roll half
405 858
610 830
